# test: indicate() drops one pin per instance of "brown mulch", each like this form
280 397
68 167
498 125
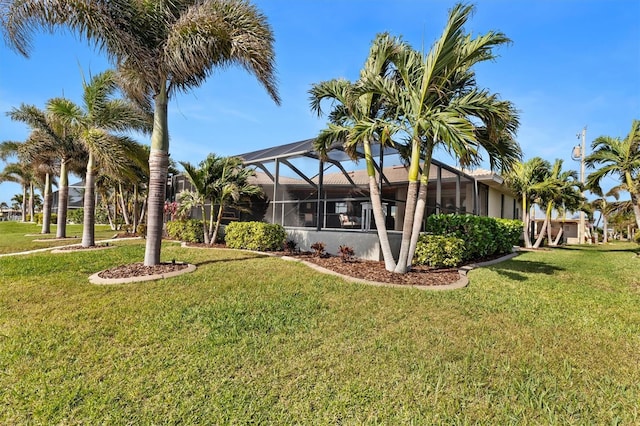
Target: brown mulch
139 270
80 248
371 270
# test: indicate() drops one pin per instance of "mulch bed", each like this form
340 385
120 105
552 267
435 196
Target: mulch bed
139 270
370 270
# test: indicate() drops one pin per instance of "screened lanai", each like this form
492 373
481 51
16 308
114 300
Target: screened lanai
305 191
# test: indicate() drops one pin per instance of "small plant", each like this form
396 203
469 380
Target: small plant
318 249
290 246
439 251
346 253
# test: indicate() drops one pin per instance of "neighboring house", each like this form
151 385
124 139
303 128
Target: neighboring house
324 200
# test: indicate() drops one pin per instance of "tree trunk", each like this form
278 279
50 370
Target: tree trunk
32 210
63 199
143 210
545 224
24 202
46 208
205 230
158 172
135 208
525 221
421 206
123 205
89 219
407 228
605 230
556 242
217 225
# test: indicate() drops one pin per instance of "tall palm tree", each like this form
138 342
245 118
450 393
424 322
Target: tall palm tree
523 179
439 103
161 48
358 118
621 158
20 173
92 124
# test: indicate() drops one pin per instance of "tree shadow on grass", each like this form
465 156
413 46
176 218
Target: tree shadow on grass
517 270
235 259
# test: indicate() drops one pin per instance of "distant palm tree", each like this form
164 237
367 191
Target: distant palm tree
161 48
230 186
618 157
93 125
524 180
559 189
59 140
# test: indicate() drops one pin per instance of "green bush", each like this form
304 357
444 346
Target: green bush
483 236
189 231
40 218
439 251
255 236
75 215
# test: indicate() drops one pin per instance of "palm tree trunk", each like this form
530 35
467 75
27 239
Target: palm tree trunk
143 210
525 221
32 210
158 172
217 225
135 208
556 242
213 233
605 230
63 199
24 202
46 208
123 205
376 206
545 225
88 223
421 206
205 230
410 208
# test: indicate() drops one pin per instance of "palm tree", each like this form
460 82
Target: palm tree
160 48
59 140
93 124
559 189
618 157
197 197
358 118
230 186
523 179
21 174
439 103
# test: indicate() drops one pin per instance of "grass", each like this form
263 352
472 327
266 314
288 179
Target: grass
550 337
20 236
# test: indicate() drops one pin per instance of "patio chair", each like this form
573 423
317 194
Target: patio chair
347 221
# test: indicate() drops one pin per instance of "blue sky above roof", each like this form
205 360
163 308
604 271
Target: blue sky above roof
572 63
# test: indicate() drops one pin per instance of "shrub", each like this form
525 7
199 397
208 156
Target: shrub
141 230
290 246
637 237
318 248
75 215
346 253
255 236
39 217
483 236
189 230
439 251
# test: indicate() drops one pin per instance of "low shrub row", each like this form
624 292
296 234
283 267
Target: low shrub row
255 236
189 231
480 237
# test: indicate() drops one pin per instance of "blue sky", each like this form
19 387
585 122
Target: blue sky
572 63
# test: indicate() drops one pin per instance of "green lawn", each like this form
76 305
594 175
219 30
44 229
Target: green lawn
19 236
548 337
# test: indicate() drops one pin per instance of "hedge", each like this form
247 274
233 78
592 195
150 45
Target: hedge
255 236
189 231
439 251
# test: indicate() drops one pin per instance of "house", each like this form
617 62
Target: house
327 199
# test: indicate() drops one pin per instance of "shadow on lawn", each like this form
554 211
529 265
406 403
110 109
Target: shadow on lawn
236 259
517 270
